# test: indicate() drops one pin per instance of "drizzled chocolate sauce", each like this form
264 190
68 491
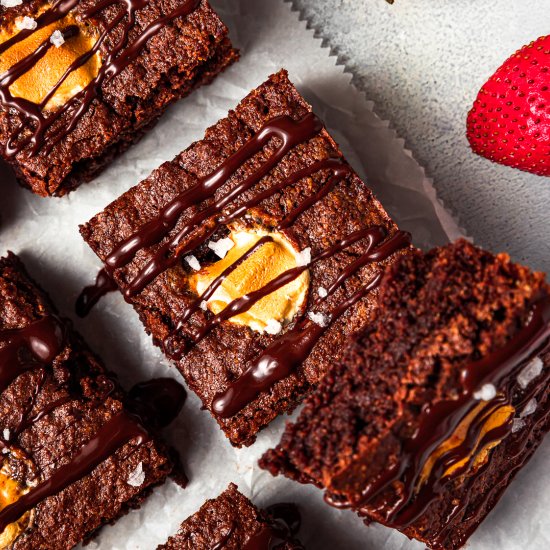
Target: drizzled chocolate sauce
277 362
290 350
37 344
116 432
288 131
92 294
171 345
245 303
440 420
37 129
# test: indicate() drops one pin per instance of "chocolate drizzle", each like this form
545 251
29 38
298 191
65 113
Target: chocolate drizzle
289 351
92 294
39 129
37 345
117 431
438 421
171 345
287 130
169 232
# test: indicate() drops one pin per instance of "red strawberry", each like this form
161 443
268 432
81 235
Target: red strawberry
510 120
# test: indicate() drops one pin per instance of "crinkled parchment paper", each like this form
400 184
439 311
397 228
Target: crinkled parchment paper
44 232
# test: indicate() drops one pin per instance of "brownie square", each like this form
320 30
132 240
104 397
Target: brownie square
298 215
73 457
82 80
438 404
232 522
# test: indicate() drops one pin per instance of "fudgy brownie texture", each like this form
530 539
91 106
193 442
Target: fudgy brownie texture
49 412
229 522
440 313
185 53
224 354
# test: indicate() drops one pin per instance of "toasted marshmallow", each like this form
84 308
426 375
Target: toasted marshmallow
264 265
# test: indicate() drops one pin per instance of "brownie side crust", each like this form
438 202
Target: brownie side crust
186 53
223 355
442 312
230 522
50 412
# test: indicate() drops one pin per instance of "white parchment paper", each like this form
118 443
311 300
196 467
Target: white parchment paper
44 232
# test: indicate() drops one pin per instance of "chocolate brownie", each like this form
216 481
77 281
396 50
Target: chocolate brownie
73 457
438 404
81 80
232 522
251 257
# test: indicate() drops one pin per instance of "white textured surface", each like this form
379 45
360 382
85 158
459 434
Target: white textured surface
44 232
422 62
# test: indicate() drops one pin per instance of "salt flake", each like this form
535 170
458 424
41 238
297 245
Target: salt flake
530 408
26 23
323 293
57 39
517 425
532 370
254 325
486 393
10 3
6 434
137 477
319 318
204 305
193 262
221 247
273 327
303 258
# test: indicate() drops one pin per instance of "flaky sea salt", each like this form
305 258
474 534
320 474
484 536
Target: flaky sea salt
529 409
486 393
26 23
57 39
532 370
273 327
137 477
304 257
193 262
517 425
254 325
322 292
6 434
10 3
221 247
319 318
204 305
